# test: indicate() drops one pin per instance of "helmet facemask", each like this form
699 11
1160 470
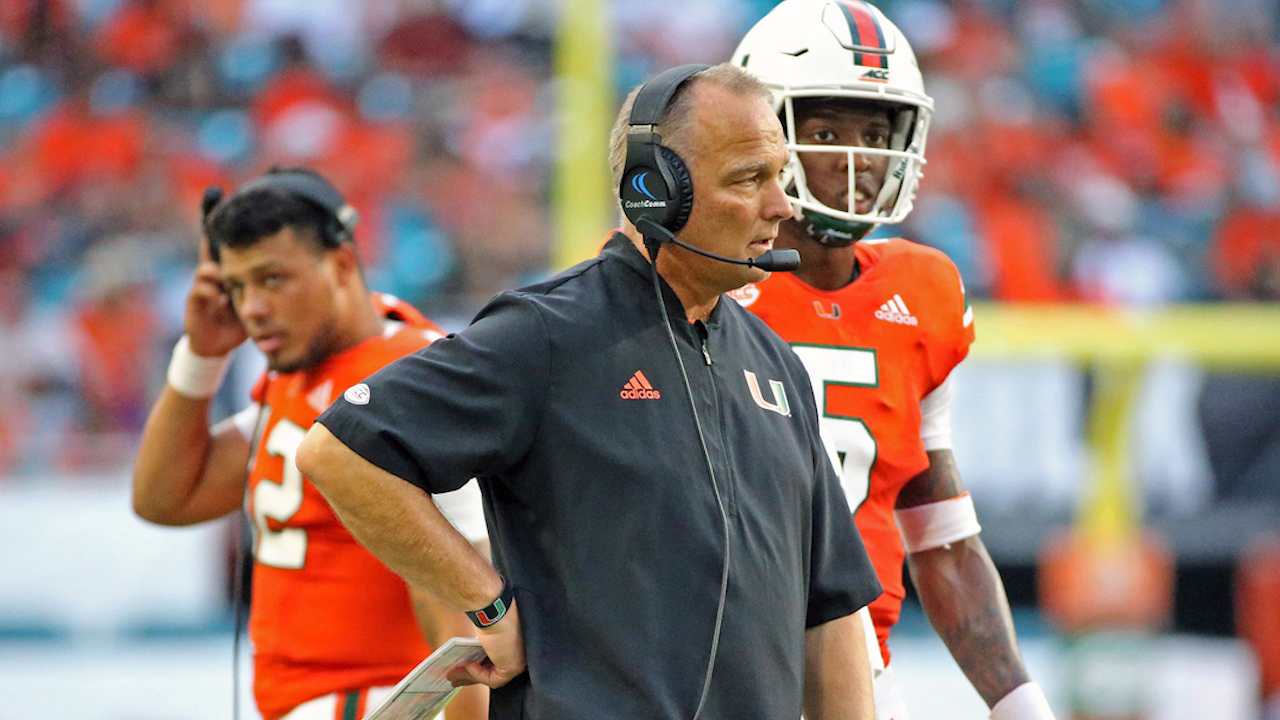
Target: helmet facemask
838 224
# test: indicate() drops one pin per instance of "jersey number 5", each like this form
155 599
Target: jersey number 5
850 444
287 547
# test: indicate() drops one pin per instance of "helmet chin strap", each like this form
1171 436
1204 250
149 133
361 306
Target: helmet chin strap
821 228
828 238
826 231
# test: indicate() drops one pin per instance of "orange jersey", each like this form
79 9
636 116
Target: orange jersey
874 349
327 616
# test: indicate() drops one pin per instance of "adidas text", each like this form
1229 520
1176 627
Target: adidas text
895 317
638 388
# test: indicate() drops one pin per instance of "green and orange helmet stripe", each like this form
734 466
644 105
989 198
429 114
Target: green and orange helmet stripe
864 28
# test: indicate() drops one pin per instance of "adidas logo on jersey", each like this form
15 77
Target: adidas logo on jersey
895 311
321 396
638 388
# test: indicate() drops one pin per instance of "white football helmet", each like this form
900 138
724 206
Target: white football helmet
843 49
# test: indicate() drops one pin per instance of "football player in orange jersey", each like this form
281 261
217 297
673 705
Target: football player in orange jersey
880 325
332 627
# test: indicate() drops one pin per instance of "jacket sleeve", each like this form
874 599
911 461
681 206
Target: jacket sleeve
465 406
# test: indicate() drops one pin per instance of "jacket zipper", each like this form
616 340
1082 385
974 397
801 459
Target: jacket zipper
728 481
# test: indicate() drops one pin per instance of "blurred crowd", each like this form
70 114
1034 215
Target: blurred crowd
1118 151
1121 151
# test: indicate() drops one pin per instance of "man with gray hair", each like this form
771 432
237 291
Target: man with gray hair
669 539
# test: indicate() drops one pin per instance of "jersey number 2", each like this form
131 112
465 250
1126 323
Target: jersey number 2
849 443
287 547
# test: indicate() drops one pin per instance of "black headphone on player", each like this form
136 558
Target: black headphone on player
656 189
339 217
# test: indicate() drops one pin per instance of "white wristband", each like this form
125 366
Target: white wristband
1025 702
195 376
925 527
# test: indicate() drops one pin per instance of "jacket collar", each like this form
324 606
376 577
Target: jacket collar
621 248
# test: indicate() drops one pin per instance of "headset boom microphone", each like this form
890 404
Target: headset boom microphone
770 261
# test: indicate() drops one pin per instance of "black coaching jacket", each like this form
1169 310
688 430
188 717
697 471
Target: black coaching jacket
566 399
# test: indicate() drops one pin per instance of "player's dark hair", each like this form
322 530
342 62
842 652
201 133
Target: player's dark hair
248 217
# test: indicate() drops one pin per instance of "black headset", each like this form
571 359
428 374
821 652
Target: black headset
655 182
340 218
656 189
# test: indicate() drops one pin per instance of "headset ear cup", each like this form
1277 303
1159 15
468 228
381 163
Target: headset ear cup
339 219
683 195
333 233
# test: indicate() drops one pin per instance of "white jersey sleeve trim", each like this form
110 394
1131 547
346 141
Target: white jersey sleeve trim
246 421
391 327
934 525
935 417
873 643
464 509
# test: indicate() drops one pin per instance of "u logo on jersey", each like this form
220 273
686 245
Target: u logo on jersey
779 405
833 314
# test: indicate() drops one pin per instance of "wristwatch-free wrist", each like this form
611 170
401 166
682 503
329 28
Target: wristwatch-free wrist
484 617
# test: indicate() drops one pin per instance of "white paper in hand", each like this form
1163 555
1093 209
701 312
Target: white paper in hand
424 692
